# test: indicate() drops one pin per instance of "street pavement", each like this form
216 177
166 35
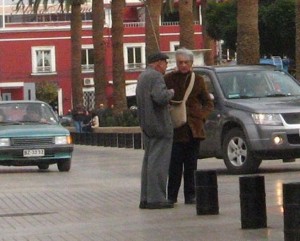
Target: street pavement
98 200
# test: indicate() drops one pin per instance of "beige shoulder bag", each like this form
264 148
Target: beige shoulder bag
178 108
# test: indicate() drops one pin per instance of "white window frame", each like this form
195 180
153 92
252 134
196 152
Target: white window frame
173 45
87 67
143 58
44 70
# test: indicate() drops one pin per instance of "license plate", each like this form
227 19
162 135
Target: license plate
33 152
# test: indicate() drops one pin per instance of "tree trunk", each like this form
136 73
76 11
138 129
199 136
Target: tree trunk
186 24
247 32
297 54
76 28
208 42
98 15
117 30
152 15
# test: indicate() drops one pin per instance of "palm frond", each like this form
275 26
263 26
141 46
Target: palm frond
45 4
169 6
20 4
36 5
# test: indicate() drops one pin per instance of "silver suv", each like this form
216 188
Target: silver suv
256 116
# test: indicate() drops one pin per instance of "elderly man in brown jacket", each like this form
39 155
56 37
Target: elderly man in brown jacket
186 139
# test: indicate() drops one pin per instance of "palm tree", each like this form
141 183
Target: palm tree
120 101
247 32
152 22
186 23
297 39
76 29
207 40
98 16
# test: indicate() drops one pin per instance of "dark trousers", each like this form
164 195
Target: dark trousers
183 162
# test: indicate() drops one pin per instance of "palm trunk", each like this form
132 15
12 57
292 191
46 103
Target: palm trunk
120 102
208 42
297 39
186 23
152 15
247 32
76 28
99 53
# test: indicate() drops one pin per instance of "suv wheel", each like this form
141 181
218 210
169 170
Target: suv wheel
237 154
64 165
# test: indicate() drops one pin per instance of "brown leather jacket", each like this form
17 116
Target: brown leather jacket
199 105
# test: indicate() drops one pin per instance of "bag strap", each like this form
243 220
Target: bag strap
189 88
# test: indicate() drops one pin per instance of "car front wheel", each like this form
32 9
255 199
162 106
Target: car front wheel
238 157
64 165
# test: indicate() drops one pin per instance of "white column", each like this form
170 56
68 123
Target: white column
3 13
60 102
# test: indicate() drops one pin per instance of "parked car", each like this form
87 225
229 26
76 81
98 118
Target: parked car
66 120
274 60
256 116
31 135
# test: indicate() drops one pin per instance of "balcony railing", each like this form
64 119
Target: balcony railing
135 67
134 24
87 67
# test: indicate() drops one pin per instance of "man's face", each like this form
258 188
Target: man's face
184 64
163 64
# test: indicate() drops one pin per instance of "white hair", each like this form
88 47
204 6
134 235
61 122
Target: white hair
186 52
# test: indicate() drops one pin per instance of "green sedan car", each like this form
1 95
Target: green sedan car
31 135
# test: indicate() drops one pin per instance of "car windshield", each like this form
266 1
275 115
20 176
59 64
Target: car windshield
23 113
257 84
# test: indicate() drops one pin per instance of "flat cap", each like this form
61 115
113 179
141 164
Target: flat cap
157 56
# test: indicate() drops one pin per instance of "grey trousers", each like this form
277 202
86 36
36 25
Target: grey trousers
155 169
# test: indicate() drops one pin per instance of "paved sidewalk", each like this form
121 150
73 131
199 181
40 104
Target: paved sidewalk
98 201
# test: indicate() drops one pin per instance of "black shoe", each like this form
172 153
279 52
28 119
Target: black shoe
159 205
190 201
143 205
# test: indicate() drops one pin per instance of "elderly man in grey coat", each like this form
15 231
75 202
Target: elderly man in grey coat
153 112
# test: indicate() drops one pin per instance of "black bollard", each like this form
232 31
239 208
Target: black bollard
137 138
107 139
100 139
253 202
94 139
291 211
206 190
81 138
114 140
121 140
129 140
88 138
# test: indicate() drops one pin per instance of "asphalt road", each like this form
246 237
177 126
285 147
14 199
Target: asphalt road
98 200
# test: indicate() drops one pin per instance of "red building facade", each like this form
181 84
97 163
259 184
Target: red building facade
40 51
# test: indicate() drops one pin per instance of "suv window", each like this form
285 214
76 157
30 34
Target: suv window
207 80
253 84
